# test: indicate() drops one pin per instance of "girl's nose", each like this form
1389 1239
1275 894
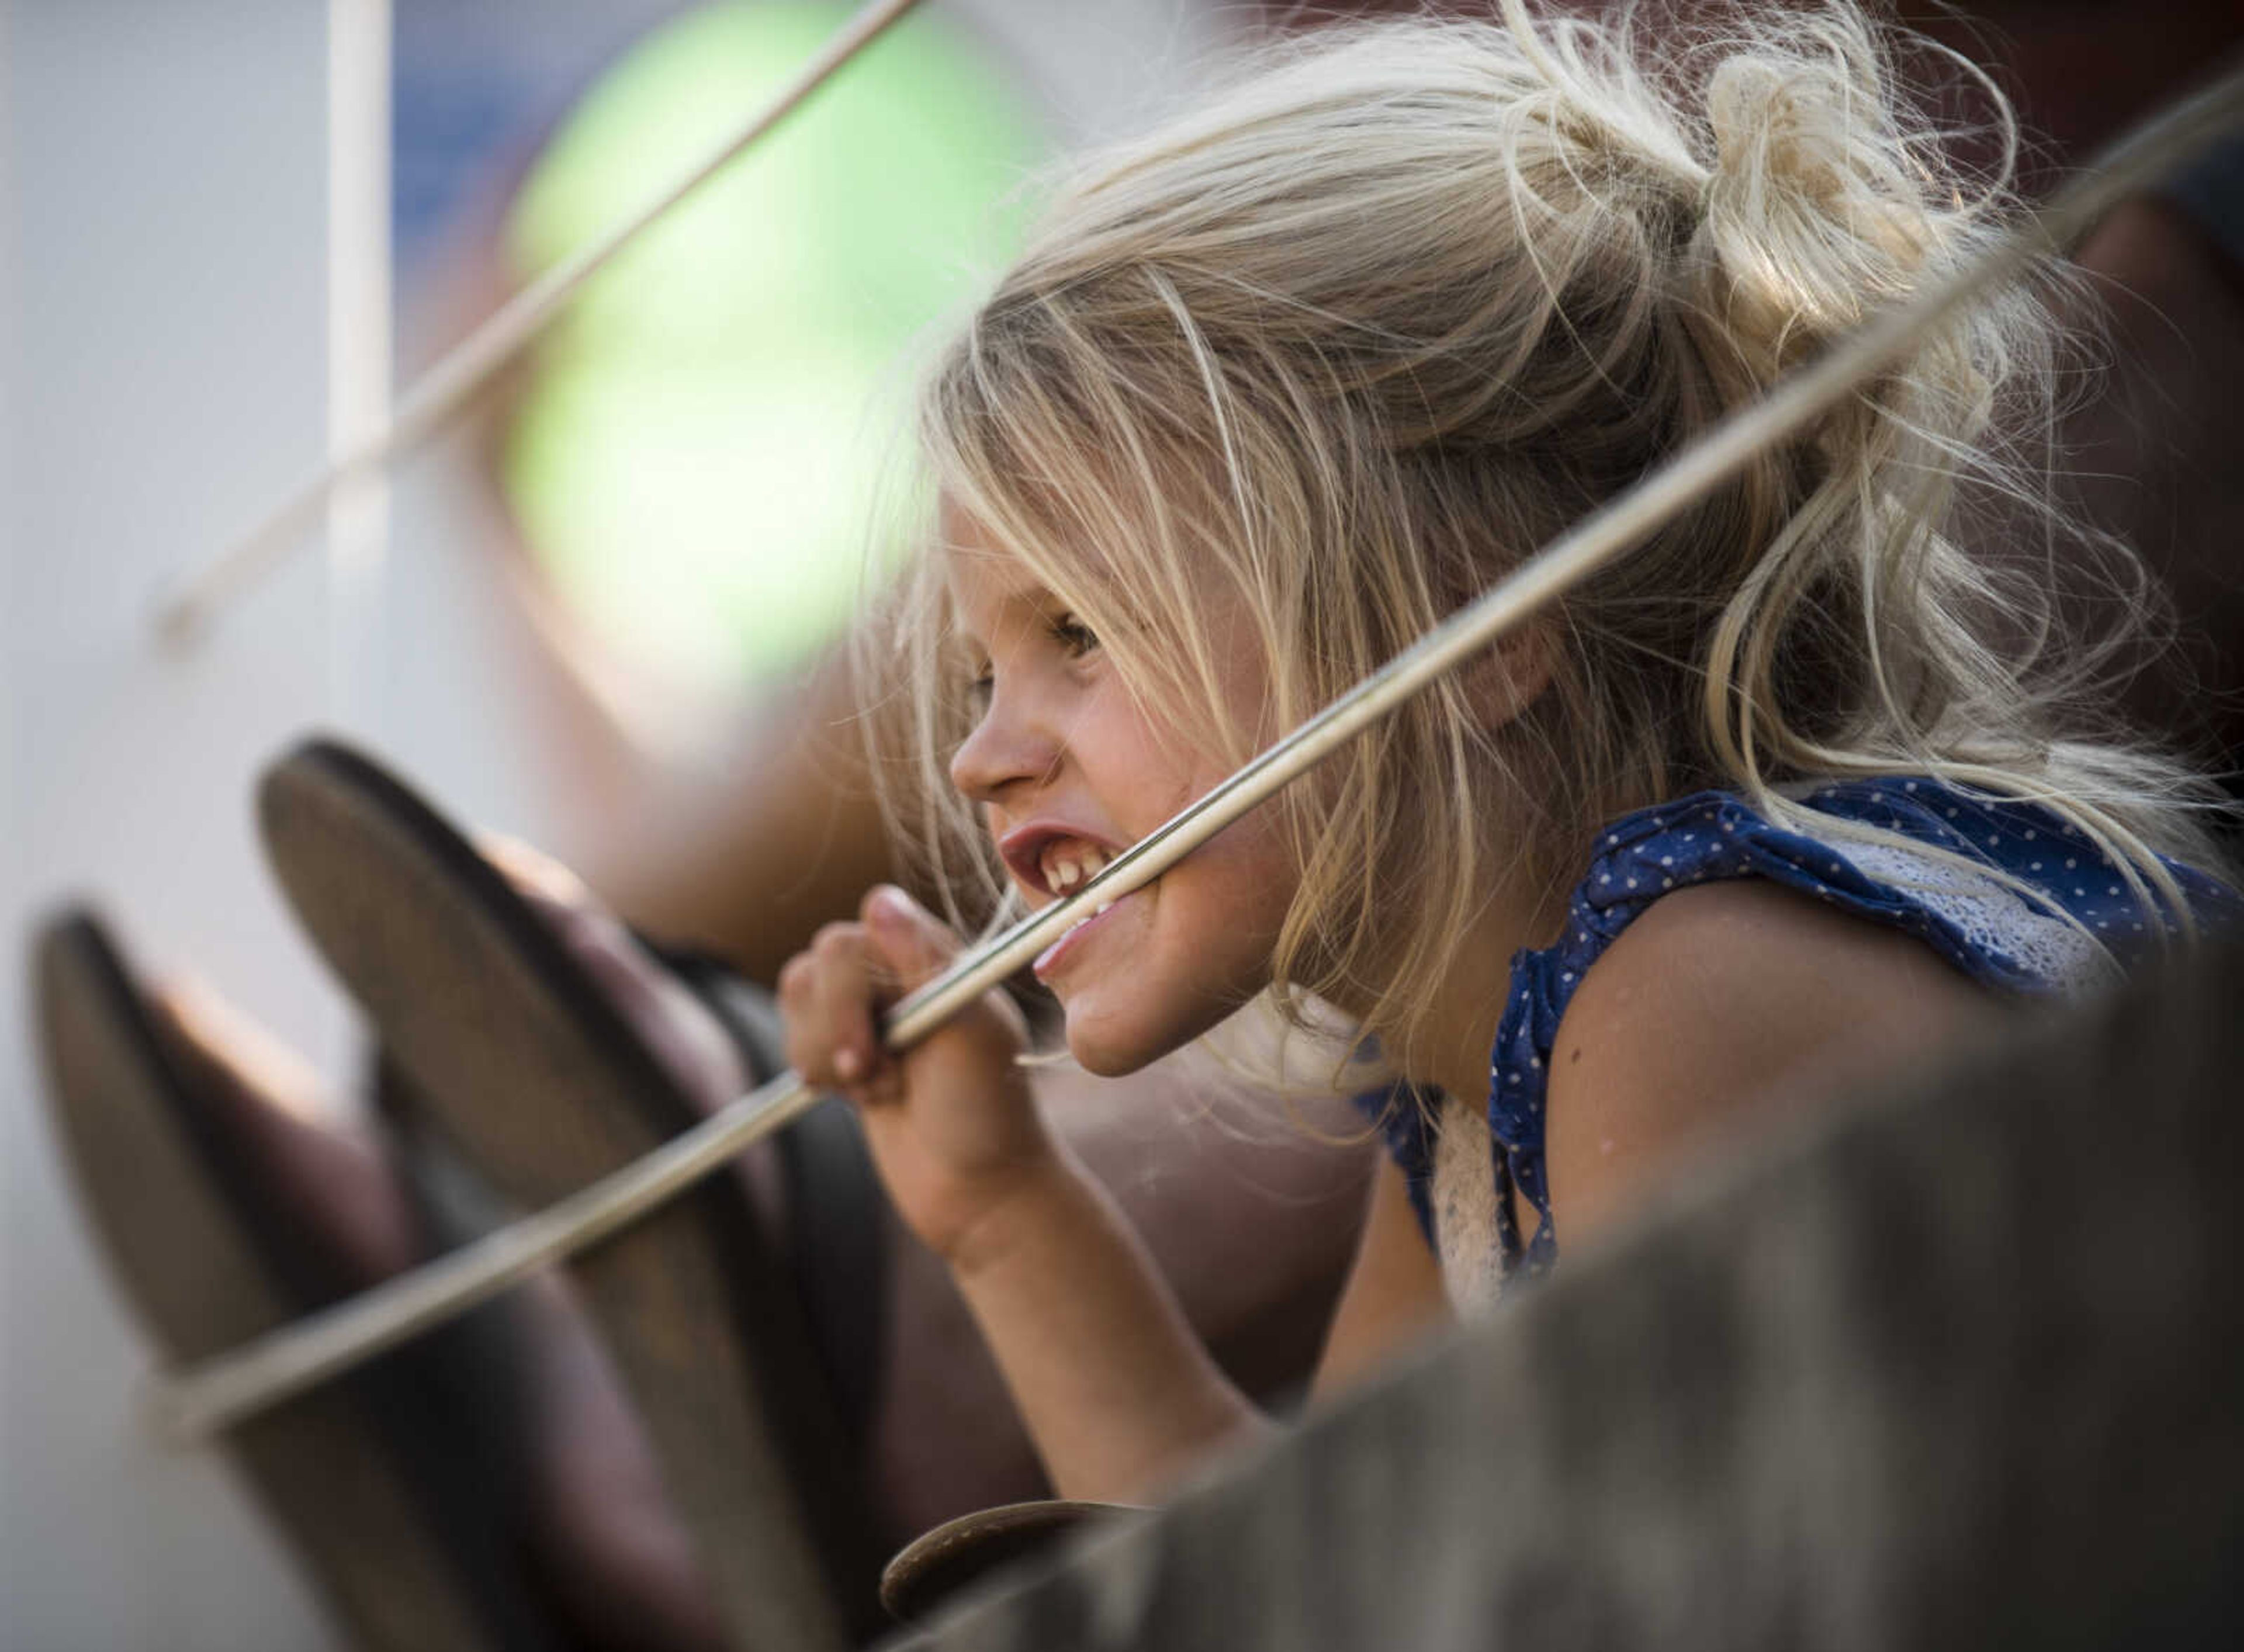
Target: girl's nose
1005 750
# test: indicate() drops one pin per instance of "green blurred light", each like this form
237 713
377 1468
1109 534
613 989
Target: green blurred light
694 459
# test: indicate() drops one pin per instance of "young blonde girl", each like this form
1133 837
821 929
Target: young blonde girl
1796 790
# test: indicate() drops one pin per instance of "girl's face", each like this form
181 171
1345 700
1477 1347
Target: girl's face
1069 772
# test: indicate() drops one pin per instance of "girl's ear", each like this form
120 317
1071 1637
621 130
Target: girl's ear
1511 673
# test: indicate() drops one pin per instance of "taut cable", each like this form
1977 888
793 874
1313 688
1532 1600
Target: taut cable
231 1387
444 389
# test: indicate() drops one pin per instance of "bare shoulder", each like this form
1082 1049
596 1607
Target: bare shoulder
1722 1002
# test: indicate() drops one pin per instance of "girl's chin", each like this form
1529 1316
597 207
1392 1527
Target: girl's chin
1109 1037
1112 1040
1100 1051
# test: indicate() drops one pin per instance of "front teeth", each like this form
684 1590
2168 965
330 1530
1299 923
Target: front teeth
1068 869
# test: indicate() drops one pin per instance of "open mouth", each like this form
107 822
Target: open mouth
1070 863
1049 859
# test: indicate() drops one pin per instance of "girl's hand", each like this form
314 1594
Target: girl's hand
950 1123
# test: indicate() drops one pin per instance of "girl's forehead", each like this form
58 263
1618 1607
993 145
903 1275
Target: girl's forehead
986 582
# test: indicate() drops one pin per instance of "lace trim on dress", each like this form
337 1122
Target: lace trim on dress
1467 1208
1992 916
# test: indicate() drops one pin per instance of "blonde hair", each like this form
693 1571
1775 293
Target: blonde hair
1405 301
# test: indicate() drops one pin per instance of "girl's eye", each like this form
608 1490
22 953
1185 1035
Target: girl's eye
1073 635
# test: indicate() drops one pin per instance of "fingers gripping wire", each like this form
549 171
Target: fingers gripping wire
231 1387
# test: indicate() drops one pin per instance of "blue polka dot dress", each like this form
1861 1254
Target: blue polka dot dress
1483 1198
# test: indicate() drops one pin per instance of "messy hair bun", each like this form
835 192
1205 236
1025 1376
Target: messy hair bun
1408 299
1813 212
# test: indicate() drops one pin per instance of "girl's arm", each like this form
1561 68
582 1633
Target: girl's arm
1117 1392
1061 1274
1723 1005
1394 1295
1120 1395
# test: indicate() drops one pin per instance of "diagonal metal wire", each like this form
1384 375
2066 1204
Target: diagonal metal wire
183 612
231 1387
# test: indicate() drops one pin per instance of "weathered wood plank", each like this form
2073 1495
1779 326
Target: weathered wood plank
1960 1365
